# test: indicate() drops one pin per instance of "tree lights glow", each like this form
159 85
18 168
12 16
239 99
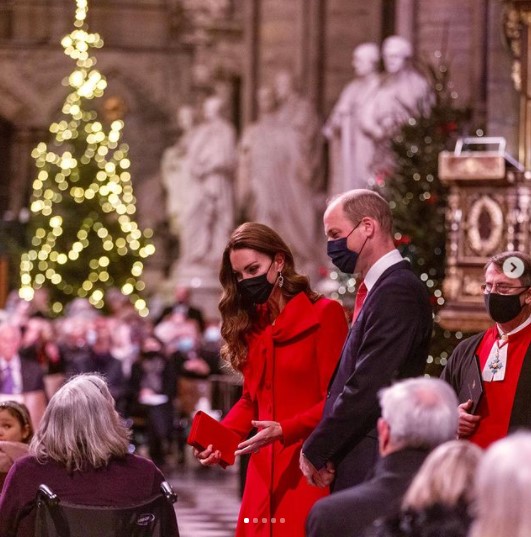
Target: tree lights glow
85 238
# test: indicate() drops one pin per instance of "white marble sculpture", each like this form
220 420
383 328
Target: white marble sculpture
209 217
402 93
175 171
351 150
295 113
275 188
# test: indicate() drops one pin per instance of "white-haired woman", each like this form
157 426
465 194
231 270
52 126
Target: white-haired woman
81 452
503 489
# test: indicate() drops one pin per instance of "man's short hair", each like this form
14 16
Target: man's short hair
499 259
361 202
421 412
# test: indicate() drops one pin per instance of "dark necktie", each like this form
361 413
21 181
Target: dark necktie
8 384
360 298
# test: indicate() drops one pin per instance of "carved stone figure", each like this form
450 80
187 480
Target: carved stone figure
272 190
209 217
297 114
351 150
402 93
175 171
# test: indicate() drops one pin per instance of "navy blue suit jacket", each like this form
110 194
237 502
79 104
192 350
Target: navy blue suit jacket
388 341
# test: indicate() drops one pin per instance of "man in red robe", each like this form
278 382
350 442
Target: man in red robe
502 353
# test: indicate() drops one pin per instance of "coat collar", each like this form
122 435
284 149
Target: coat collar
297 317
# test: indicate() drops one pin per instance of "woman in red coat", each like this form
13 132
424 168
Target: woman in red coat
286 341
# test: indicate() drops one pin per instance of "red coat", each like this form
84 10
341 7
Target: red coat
288 368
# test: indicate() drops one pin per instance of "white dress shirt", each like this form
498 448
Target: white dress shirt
14 363
388 260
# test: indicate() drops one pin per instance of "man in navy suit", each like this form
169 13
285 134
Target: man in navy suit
388 339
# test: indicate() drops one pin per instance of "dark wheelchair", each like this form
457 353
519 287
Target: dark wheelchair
153 518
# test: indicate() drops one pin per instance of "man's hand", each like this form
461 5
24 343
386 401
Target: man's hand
468 423
268 433
320 478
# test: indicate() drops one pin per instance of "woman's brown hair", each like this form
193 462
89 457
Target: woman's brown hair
20 412
238 317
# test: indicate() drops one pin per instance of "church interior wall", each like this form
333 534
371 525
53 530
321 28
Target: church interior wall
502 98
348 24
160 54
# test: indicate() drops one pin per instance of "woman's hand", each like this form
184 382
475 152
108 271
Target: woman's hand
208 457
269 431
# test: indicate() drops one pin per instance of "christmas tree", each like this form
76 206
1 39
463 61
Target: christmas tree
83 235
418 198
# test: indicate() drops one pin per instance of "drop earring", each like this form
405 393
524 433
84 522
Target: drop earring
280 279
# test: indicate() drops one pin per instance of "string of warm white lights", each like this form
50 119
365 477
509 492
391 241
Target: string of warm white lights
84 168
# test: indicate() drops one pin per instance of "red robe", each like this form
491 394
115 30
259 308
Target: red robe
496 405
288 368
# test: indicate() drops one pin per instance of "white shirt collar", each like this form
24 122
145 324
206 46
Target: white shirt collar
527 322
389 259
15 365
14 362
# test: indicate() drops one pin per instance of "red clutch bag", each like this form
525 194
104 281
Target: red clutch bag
206 430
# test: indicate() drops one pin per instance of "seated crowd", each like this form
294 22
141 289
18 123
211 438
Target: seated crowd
153 366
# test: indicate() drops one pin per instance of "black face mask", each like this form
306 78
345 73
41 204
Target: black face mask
151 354
503 308
343 258
257 289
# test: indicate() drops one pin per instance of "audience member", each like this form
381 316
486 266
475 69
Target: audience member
389 339
40 304
183 305
81 452
16 310
100 360
503 489
119 306
438 499
72 340
153 388
417 415
21 379
39 343
127 328
16 433
502 354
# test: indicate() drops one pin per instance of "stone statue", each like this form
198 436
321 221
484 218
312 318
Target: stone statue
175 171
209 217
351 150
402 93
272 189
297 114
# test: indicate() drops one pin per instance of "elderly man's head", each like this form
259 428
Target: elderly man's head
417 413
10 340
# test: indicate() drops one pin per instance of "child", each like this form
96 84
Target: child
16 432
